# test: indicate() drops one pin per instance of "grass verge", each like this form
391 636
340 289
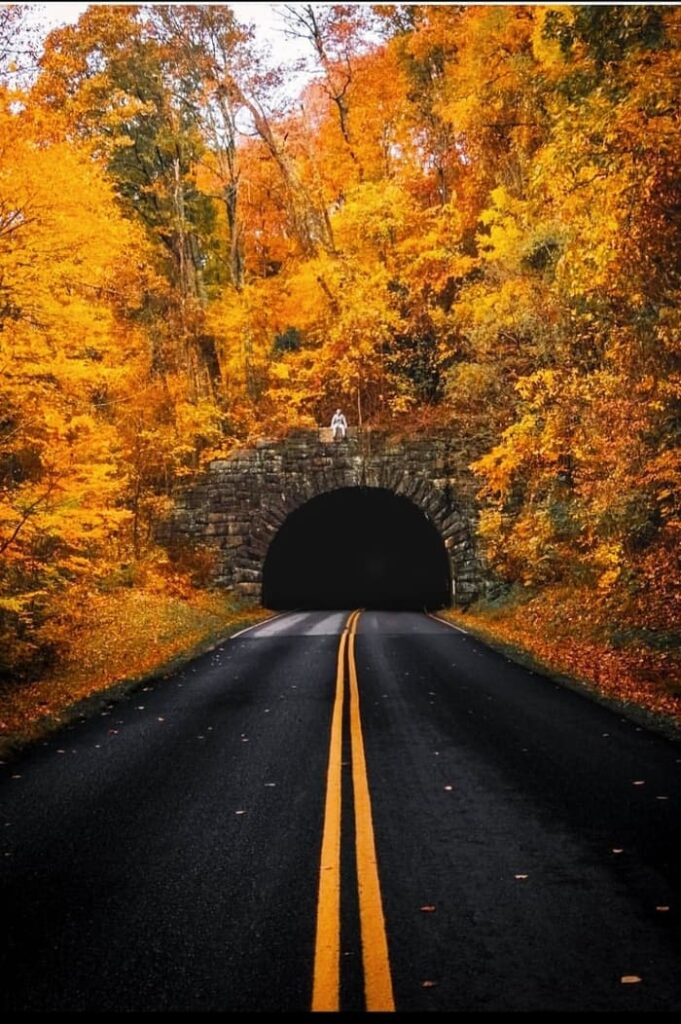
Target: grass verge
124 639
640 678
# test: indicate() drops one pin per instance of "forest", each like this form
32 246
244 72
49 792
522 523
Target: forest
467 220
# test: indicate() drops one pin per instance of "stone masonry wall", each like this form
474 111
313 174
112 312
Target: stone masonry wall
240 502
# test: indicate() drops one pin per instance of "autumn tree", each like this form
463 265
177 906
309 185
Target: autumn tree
69 265
117 80
581 484
469 215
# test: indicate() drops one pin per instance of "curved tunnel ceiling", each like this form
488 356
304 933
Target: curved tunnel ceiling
357 547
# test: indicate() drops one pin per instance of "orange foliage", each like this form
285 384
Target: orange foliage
469 217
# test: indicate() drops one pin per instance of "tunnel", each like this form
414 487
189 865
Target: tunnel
357 547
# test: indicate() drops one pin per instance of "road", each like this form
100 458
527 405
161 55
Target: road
223 838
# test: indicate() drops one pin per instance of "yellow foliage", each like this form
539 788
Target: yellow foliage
472 219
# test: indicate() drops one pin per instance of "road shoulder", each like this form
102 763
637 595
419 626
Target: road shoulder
657 721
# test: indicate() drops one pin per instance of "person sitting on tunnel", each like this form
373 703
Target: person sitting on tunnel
339 425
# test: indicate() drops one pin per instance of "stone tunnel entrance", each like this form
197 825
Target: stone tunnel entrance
357 547
255 515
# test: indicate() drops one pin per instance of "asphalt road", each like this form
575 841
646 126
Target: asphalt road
166 854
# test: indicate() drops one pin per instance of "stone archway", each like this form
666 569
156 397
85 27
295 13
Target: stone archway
239 505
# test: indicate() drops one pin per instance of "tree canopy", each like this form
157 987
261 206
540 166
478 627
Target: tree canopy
469 217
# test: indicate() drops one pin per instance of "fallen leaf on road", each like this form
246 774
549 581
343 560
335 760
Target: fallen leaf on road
630 979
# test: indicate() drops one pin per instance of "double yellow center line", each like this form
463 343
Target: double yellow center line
378 989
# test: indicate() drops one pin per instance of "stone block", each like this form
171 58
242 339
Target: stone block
242 500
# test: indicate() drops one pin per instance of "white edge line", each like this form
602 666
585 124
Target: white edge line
255 625
450 624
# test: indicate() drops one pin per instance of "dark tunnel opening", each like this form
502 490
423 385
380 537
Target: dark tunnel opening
357 547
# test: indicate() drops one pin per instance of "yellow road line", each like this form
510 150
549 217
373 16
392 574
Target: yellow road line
378 987
326 982
375 957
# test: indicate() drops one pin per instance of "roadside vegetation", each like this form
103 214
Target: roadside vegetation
116 643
